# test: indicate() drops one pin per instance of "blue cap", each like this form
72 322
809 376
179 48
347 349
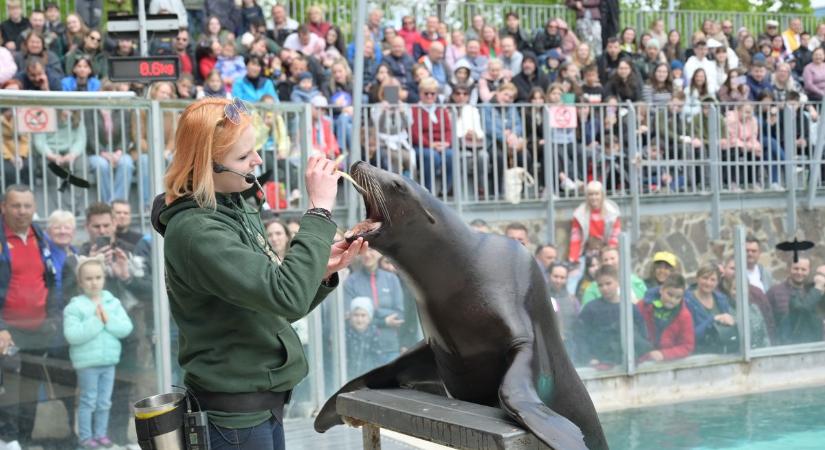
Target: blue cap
676 64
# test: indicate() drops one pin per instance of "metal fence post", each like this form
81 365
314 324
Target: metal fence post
305 137
789 143
549 172
357 107
815 170
742 301
633 152
626 312
458 157
715 175
160 302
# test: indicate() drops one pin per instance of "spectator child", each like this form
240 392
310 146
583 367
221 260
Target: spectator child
305 90
213 87
229 65
93 324
597 329
323 137
667 320
362 338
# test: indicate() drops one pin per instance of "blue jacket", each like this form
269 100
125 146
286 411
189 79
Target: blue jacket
69 84
93 344
756 88
49 275
702 319
390 301
245 90
499 118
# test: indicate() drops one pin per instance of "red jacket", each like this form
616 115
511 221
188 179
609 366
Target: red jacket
677 340
425 132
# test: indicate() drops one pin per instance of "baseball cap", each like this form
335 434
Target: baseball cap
666 257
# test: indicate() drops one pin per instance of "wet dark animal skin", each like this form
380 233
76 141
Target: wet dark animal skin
491 335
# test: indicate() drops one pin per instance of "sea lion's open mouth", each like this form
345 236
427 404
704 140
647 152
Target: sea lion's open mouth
375 203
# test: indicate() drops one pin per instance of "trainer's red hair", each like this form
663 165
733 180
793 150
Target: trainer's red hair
203 136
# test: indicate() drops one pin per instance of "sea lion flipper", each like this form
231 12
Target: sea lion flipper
518 396
414 368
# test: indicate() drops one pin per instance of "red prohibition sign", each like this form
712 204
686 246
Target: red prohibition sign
36 118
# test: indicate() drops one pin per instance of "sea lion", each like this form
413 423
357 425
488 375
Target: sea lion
490 332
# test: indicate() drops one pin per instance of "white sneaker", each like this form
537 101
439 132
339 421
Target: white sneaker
568 185
777 187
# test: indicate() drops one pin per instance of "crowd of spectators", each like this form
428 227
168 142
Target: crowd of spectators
430 88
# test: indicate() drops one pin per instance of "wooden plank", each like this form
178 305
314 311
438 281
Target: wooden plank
437 419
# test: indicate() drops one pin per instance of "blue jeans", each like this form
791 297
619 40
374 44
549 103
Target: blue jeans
122 177
428 157
772 152
266 436
95 385
343 131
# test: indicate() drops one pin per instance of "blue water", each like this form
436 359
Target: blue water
786 420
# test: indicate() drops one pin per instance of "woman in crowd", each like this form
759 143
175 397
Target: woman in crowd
82 77
745 50
61 230
596 223
491 80
814 76
200 201
627 40
624 83
713 322
657 30
15 145
455 49
547 39
34 46
569 41
432 138
278 236
315 21
783 82
583 56
76 31
659 89
673 46
735 88
214 32
339 92
723 65
695 92
470 134
335 47
741 143
391 122
490 44
504 133
760 335
253 85
91 49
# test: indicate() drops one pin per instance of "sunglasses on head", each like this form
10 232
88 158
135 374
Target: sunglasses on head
233 111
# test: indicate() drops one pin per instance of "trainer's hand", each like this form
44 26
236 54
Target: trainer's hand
322 182
343 253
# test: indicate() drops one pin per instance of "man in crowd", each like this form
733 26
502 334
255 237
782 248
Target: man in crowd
428 37
758 275
609 256
37 78
11 29
806 313
511 57
435 63
122 212
519 232
400 62
282 24
29 309
609 60
512 28
780 296
474 58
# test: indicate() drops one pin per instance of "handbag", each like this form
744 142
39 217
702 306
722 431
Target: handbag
51 420
514 180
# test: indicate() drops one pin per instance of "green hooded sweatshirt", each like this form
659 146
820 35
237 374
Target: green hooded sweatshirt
233 304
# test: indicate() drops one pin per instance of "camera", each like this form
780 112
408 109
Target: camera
103 241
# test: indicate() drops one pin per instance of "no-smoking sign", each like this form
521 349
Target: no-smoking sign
36 119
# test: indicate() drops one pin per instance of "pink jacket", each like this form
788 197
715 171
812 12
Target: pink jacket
741 135
7 66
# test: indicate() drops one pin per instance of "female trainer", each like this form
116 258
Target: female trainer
231 300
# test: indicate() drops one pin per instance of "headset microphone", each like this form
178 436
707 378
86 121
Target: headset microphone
248 177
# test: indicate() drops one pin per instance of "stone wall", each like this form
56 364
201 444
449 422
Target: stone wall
688 236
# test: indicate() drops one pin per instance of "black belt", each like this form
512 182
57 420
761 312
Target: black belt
242 402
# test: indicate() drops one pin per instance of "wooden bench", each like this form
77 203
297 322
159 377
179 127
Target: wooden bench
433 418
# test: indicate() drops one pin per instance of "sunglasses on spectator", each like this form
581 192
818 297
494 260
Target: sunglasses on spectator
461 93
233 111
429 93
94 38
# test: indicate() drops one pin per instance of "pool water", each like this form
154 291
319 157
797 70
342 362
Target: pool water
786 420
